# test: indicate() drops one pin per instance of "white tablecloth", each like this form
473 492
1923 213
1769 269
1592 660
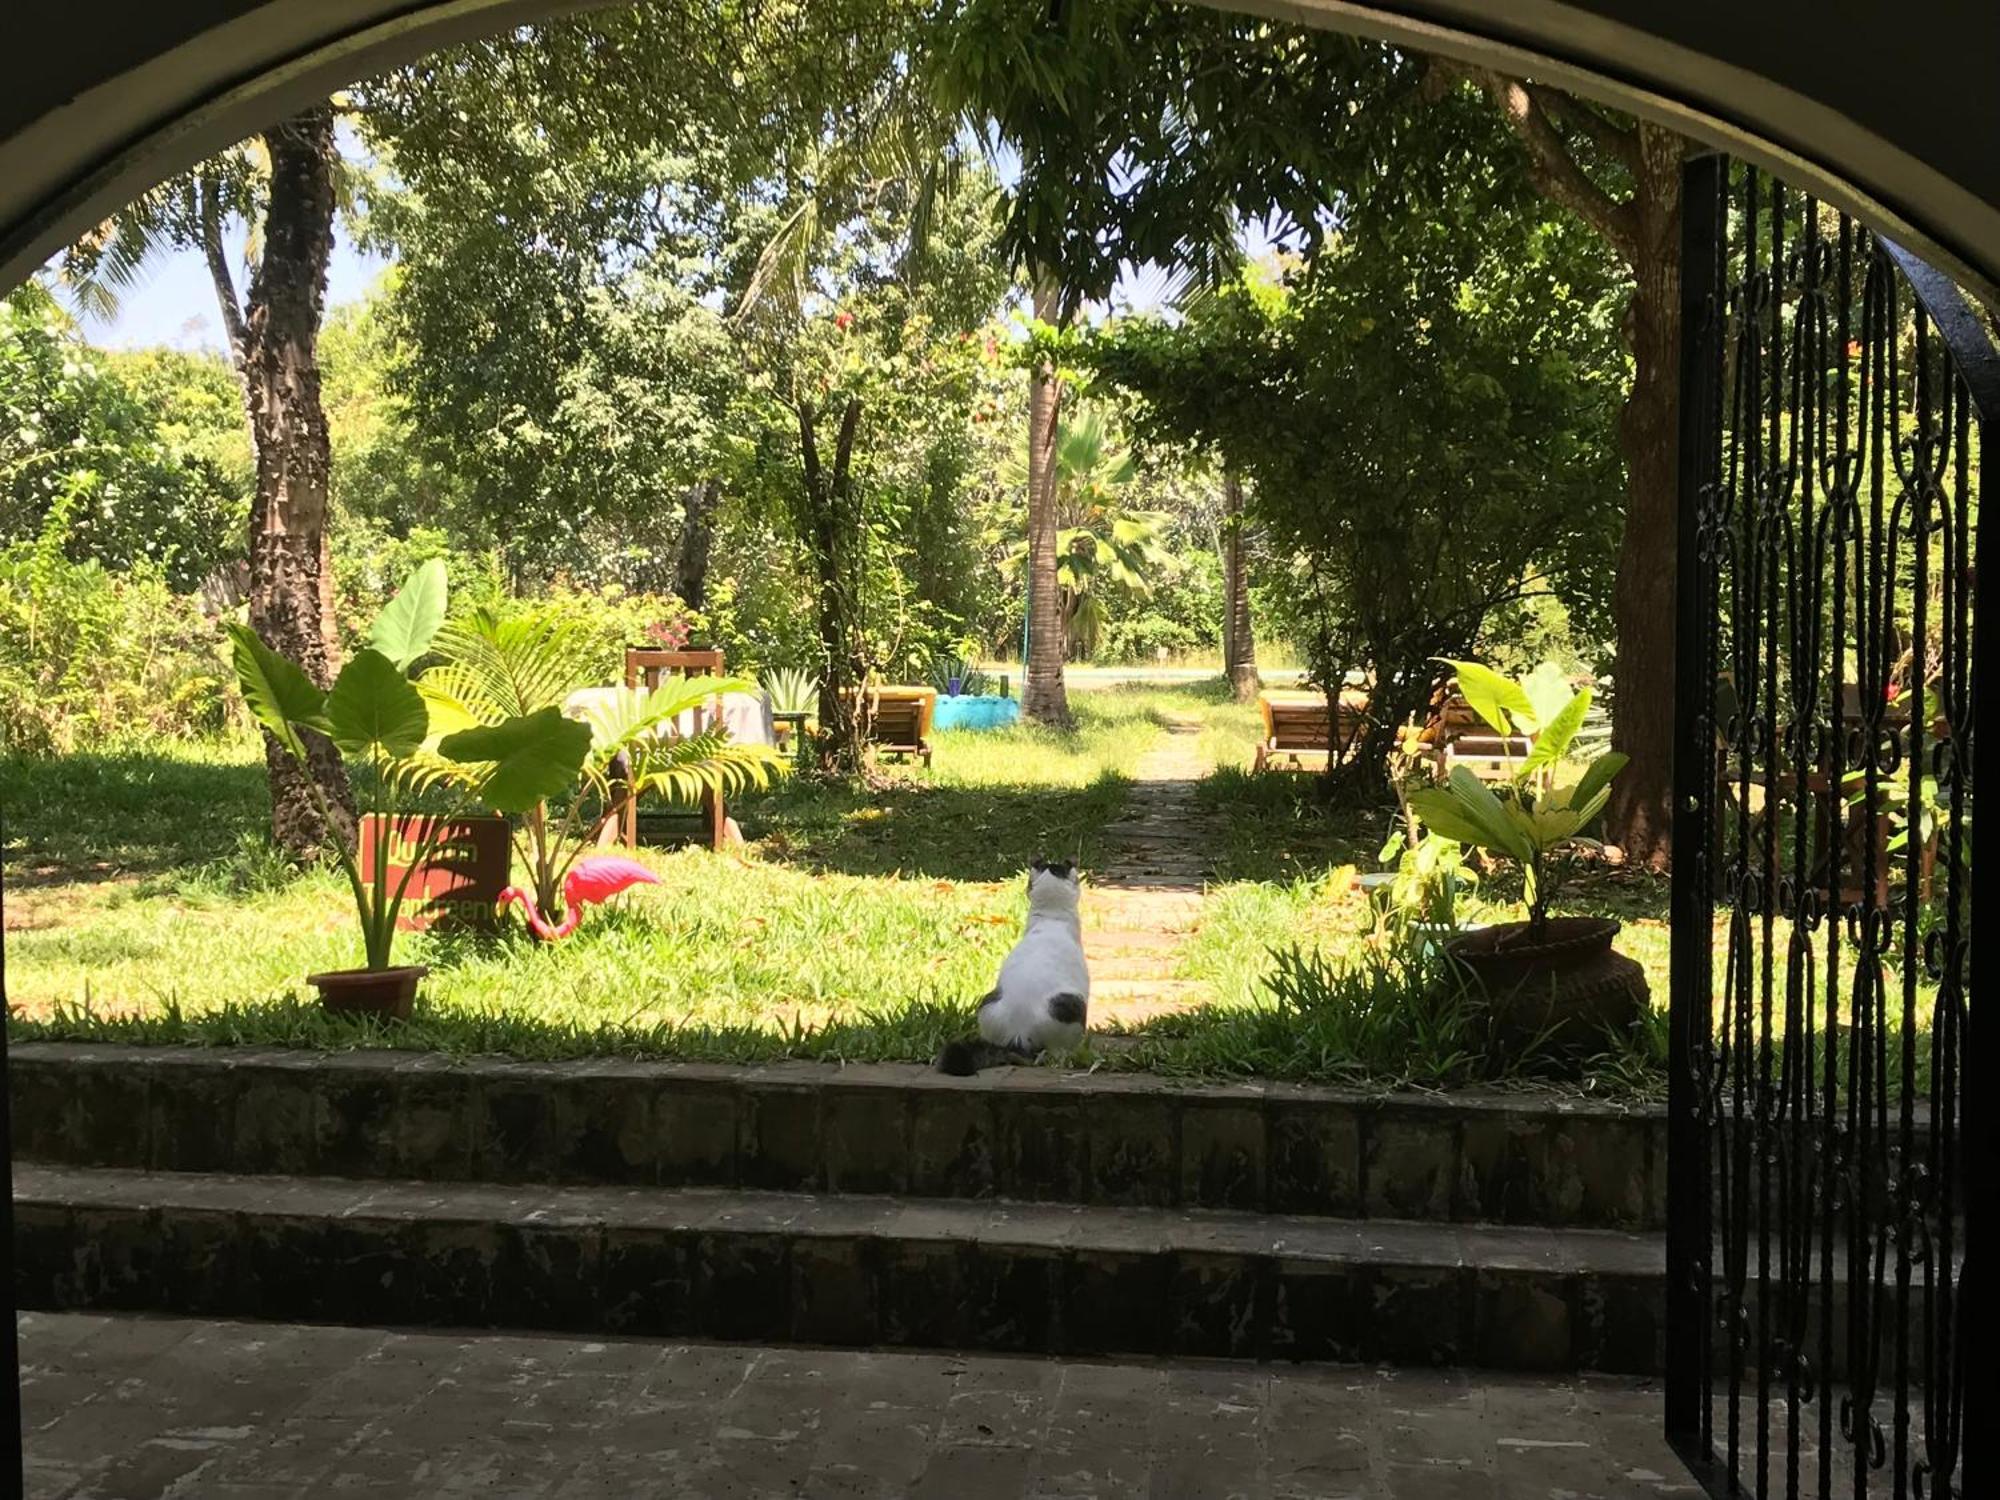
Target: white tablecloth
746 715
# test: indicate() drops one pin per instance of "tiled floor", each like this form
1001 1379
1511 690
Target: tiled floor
139 1406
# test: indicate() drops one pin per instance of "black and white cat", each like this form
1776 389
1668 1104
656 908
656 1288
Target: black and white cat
1043 997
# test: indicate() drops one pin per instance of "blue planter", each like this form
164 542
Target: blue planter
982 712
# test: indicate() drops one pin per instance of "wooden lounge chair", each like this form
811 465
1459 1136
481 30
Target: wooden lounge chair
648 667
900 720
1295 729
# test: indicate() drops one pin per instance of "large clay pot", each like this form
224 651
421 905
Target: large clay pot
1570 983
388 993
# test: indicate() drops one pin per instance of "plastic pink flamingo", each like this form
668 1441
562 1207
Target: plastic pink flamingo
593 879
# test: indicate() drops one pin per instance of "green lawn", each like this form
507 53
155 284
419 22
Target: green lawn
857 923
139 886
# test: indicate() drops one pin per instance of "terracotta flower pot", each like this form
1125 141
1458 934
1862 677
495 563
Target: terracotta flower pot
387 993
1569 983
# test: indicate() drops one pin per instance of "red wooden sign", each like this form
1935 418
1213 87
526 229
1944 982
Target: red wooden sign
459 885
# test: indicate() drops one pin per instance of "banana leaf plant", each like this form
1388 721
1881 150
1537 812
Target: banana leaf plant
375 717
1520 819
499 731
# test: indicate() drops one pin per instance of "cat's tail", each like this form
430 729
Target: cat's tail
963 1059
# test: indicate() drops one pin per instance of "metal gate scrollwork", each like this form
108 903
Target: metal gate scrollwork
1839 401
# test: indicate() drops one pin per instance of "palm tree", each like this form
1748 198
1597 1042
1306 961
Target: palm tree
285 184
1095 539
1239 643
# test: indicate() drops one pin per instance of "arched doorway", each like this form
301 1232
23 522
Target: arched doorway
195 90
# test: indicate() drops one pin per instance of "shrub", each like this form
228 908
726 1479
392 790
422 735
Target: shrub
89 656
1142 638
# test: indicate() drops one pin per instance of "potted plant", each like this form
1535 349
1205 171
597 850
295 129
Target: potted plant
499 731
1553 977
376 718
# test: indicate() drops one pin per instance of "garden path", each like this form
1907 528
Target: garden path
1146 894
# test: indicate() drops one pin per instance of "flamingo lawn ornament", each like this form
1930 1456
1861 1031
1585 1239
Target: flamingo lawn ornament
592 879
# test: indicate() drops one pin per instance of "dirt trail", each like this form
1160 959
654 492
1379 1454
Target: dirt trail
1146 895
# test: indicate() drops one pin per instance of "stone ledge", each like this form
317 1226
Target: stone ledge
1028 1133
841 1270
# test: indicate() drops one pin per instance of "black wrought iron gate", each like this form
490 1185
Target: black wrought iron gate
1840 405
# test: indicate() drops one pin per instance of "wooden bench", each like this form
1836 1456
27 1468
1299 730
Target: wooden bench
648 667
900 720
1459 737
1295 729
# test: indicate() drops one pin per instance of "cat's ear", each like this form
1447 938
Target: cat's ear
1037 867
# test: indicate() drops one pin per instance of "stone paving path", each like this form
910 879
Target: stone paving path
142 1407
1146 895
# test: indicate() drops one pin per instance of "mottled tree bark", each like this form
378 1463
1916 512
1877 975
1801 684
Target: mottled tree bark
1239 645
697 539
1043 696
280 363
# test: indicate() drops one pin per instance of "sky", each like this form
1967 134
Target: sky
176 305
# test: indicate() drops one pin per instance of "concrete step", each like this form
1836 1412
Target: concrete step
848 1271
1031 1133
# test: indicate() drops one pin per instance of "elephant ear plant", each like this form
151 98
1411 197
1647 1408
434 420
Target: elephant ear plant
377 719
1556 985
1527 818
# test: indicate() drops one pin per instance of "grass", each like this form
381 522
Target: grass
142 902
856 923
990 805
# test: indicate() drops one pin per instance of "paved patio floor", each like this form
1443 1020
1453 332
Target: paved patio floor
143 1406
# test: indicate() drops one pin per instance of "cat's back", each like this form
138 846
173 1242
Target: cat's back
1047 959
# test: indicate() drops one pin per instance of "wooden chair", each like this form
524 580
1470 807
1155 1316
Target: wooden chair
1459 737
648 667
900 722
1295 729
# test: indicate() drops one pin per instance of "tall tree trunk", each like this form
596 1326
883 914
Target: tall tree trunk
1640 816
1043 696
1239 645
1644 229
831 529
697 538
288 426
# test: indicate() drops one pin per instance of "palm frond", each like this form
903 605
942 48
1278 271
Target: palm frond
627 715
786 259
425 770
684 768
503 668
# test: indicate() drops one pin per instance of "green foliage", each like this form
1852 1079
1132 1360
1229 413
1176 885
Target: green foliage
387 479
375 716
791 690
90 657
498 701
1529 819
77 439
518 764
1129 122
1103 541
404 631
1426 413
